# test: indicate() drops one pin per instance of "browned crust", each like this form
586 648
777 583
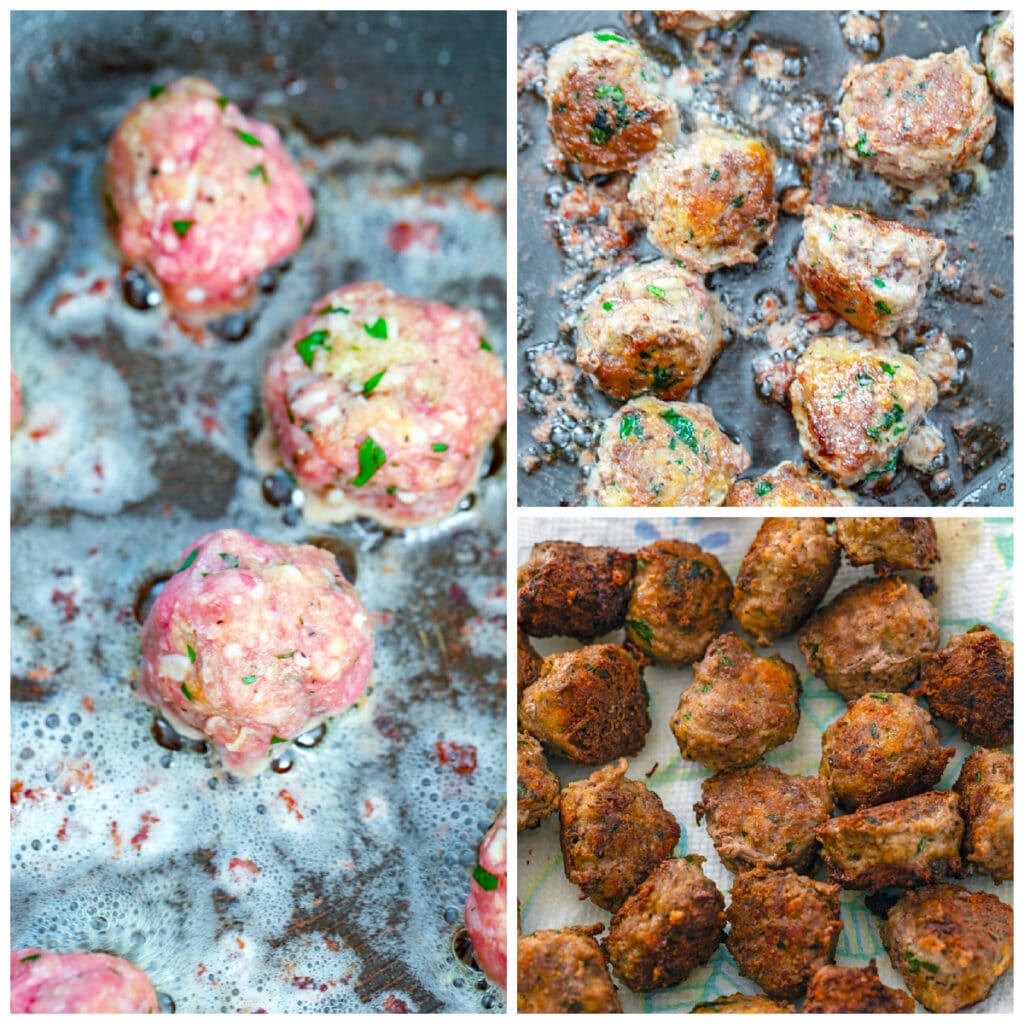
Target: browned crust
854 990
563 971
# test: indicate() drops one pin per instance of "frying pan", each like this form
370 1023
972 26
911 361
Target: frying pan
336 882
975 222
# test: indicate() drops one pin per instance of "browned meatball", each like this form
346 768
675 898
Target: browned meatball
568 589
667 928
614 831
679 601
888 543
528 662
997 49
783 927
871 637
784 485
854 990
537 786
588 705
738 707
949 944
970 683
882 748
563 971
690 24
985 788
907 842
740 1003
760 815
784 575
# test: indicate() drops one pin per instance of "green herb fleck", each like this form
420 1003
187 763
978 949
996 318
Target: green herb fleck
184 690
922 844
641 629
276 739
438 447
307 346
715 174
486 345
370 384
886 368
181 227
630 424
609 37
485 879
878 283
248 680
763 487
155 90
864 379
259 171
378 329
249 140
231 561
193 555
607 305
882 307
838 395
222 101
706 687
862 145
285 657
601 129
609 90
191 653
914 965
328 309
738 201
658 293
682 427
28 959
883 697
371 458
111 209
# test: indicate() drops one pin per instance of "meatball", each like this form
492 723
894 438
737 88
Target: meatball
670 926
782 485
614 831
855 406
655 453
908 842
997 49
889 543
206 197
568 589
384 405
690 24
916 122
854 990
652 327
949 944
605 105
710 201
487 901
783 927
760 815
970 683
872 637
882 748
528 662
871 272
679 602
564 971
985 788
740 1003
537 785
78 983
783 576
251 644
588 705
738 707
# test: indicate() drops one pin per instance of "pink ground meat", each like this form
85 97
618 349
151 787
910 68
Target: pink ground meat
78 983
486 907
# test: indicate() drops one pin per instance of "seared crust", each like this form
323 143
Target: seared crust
985 788
854 990
689 24
739 1003
537 786
888 543
528 662
784 485
563 971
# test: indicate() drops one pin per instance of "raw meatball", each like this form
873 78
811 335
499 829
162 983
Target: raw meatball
855 406
689 24
783 928
871 638
738 707
949 944
916 122
614 831
997 49
528 662
740 1003
78 983
251 644
854 990
588 705
760 815
709 202
907 842
203 195
783 576
670 926
656 453
537 785
970 683
605 104
882 748
871 272
652 327
782 485
985 788
679 602
384 405
568 589
889 543
487 901
564 971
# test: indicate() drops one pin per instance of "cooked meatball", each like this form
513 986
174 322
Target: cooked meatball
656 453
689 24
916 122
528 662
882 748
614 831
970 683
871 638
889 543
384 405
605 105
568 589
738 707
251 644
740 1003
985 788
854 990
783 576
487 902
871 272
652 327
564 971
78 983
783 927
760 815
855 406
710 201
908 842
679 602
537 785
997 49
949 944
667 928
206 197
782 485
588 705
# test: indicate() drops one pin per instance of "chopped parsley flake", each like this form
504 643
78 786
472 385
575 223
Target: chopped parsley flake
285 657
378 329
28 959
878 283
607 305
886 368
882 307
231 561
184 690
439 447
277 739
716 174
485 879
612 91
738 201
222 101
641 629
249 680
486 345
328 310
864 379
193 555
609 37
247 138
370 384
181 227
862 145
371 458
259 171
883 697
658 293
630 424
887 468
307 346
914 965
191 654
682 427
763 487
155 90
